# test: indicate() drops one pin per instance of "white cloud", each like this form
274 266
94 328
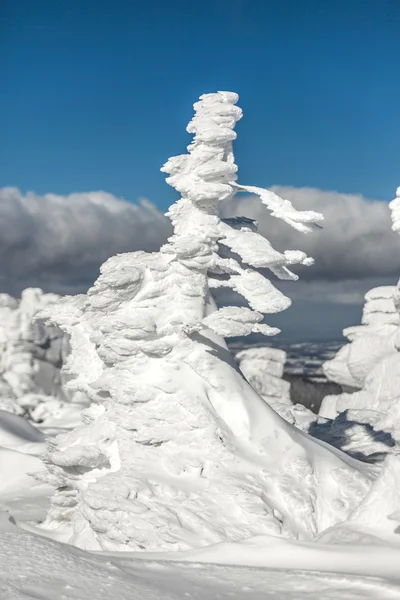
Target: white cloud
356 241
59 242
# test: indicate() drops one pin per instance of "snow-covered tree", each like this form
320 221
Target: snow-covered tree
177 449
394 206
31 356
368 344
366 420
263 368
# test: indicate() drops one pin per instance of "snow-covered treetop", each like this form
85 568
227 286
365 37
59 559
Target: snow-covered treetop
394 206
229 249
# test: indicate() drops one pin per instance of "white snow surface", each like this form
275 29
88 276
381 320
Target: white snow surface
33 567
351 562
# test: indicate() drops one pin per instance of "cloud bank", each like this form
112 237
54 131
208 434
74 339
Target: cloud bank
356 241
59 243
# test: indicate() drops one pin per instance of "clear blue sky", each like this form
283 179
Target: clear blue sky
96 94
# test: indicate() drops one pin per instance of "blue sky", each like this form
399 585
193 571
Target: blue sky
96 95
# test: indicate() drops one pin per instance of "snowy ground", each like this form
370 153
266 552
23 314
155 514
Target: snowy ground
33 566
38 568
42 569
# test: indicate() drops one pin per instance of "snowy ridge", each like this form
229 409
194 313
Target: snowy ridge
177 450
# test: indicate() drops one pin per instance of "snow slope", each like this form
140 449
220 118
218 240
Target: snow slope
32 567
356 565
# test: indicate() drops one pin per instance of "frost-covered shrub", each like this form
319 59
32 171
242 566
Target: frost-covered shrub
31 357
177 449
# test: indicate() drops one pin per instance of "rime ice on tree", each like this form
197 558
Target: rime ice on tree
367 421
31 355
206 177
177 449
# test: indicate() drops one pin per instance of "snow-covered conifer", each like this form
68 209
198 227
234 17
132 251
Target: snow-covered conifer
368 343
177 449
31 356
263 369
366 422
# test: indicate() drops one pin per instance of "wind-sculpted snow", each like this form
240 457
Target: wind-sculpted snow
177 449
31 356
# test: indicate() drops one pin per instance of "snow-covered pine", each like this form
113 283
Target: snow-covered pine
177 449
394 206
263 368
368 343
31 356
365 419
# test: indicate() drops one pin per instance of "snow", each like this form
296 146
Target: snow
187 475
394 206
177 450
369 342
31 357
364 420
34 567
